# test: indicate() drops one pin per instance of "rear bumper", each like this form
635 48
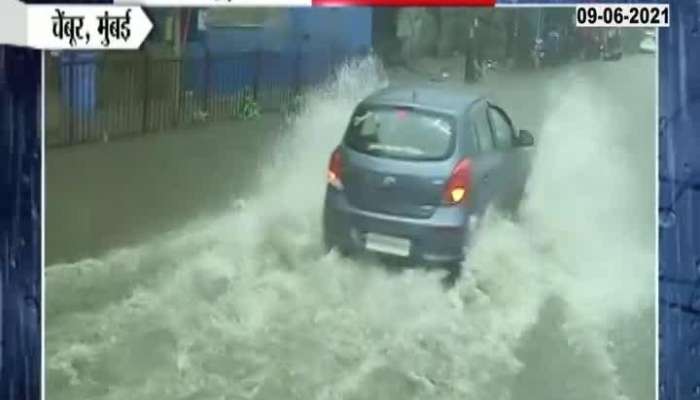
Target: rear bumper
438 239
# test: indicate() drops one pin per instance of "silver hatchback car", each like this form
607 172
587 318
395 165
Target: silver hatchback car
416 169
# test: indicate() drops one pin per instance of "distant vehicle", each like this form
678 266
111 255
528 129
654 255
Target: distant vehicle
591 43
612 45
648 43
551 50
538 53
417 168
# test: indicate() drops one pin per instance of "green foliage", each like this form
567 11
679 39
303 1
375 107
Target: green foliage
249 107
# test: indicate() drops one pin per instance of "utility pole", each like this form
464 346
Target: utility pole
178 45
470 50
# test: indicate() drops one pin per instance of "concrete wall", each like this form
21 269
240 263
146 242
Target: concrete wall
343 28
443 31
418 31
308 40
346 29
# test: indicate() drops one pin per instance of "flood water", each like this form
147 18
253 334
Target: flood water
244 304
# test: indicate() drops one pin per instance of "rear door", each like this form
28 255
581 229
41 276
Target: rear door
396 160
513 170
487 159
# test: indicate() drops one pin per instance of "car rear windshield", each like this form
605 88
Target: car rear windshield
401 133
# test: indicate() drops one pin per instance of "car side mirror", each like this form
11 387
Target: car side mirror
525 138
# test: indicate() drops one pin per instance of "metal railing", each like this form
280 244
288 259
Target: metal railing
92 99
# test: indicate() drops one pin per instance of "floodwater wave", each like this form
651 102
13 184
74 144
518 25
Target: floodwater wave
556 305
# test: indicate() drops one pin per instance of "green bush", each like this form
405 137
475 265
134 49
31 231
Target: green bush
249 107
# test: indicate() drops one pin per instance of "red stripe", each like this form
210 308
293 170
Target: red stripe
397 3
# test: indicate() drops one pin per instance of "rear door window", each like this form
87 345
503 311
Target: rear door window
502 130
401 133
482 128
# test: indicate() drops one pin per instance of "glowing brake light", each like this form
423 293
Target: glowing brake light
457 194
335 170
459 184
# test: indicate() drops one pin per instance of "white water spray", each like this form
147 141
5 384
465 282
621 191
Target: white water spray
247 306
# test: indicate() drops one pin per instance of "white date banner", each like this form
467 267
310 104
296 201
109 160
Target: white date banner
73 27
623 15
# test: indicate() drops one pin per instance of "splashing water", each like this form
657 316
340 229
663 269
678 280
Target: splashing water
247 305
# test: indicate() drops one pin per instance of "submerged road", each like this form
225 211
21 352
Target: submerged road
163 286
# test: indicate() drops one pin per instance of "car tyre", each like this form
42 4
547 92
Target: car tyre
454 271
329 245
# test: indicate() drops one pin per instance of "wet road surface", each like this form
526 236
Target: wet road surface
243 304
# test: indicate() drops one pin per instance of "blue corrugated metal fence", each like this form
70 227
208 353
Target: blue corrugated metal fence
150 94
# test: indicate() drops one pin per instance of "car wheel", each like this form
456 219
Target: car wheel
329 245
510 204
454 271
518 200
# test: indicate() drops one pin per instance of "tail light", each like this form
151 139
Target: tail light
459 184
335 170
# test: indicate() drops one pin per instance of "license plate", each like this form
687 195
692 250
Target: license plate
388 244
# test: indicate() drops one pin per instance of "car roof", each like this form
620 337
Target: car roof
446 97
